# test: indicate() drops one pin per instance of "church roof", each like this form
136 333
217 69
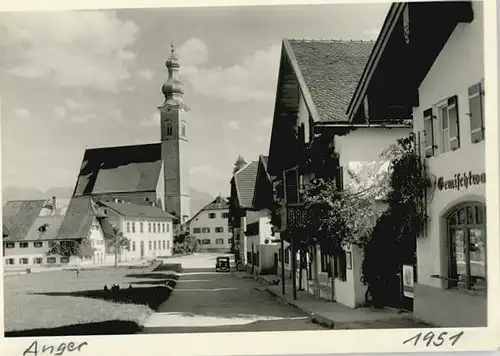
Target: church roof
119 169
136 210
330 71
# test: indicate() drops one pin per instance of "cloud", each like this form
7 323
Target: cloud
152 121
254 78
193 52
233 125
22 113
60 111
73 48
372 33
146 74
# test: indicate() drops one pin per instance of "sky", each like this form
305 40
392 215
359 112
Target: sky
72 80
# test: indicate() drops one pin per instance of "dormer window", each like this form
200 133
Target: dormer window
43 227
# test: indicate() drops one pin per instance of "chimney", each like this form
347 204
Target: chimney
54 207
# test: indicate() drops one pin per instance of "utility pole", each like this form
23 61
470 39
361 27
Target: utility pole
282 264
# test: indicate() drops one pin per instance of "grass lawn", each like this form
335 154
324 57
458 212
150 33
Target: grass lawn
59 303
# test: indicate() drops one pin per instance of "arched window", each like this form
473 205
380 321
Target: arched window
183 129
467 236
169 129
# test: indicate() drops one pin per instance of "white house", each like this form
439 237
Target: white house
210 226
148 228
31 227
448 286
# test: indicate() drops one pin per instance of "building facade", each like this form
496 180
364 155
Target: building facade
210 226
148 229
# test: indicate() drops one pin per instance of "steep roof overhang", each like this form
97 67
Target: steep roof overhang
263 193
392 74
290 87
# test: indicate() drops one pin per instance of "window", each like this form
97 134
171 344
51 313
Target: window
11 261
205 242
280 255
219 241
154 228
24 261
133 245
211 215
219 229
51 260
229 241
149 227
38 244
164 244
450 128
154 245
287 256
205 230
133 227
158 227
249 257
168 227
37 261
141 227
159 244
198 241
339 178
162 227
326 264
64 259
168 245
10 245
23 245
292 186
128 227
467 236
476 112
183 129
169 129
225 215
149 245
196 230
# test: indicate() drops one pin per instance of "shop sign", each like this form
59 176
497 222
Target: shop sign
408 280
461 181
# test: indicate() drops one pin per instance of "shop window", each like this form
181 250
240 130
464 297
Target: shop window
449 125
476 112
467 236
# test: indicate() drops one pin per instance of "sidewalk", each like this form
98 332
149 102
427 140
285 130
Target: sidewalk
334 315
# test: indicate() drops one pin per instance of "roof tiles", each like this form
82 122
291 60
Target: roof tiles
136 210
245 184
331 70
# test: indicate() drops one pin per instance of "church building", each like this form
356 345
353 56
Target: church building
150 174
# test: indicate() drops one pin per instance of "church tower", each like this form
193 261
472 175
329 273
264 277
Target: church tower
174 143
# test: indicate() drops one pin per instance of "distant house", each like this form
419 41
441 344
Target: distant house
210 226
31 227
149 229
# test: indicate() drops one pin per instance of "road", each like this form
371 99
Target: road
207 301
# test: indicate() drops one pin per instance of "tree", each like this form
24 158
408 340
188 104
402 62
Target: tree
117 243
67 248
239 164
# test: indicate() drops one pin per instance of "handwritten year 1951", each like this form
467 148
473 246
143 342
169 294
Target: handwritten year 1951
435 339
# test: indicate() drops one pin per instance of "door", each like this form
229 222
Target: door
142 249
275 264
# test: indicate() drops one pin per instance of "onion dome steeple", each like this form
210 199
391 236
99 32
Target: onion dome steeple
173 89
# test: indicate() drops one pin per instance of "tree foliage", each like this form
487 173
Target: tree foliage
117 241
239 164
68 248
185 243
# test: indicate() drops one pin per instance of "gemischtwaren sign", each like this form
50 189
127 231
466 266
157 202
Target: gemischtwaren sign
461 181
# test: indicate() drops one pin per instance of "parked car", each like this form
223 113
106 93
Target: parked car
222 264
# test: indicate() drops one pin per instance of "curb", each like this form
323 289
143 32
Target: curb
316 319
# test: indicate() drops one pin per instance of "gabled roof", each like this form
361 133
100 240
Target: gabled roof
78 219
136 210
19 216
244 180
119 169
263 192
218 203
51 224
328 73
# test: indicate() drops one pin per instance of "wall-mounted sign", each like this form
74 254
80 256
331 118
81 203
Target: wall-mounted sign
461 181
408 281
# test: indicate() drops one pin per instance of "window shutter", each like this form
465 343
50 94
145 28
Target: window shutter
476 112
454 123
429 132
339 179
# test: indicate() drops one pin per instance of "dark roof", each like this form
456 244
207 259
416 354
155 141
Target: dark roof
78 218
331 71
245 184
217 204
19 216
52 224
119 169
136 210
